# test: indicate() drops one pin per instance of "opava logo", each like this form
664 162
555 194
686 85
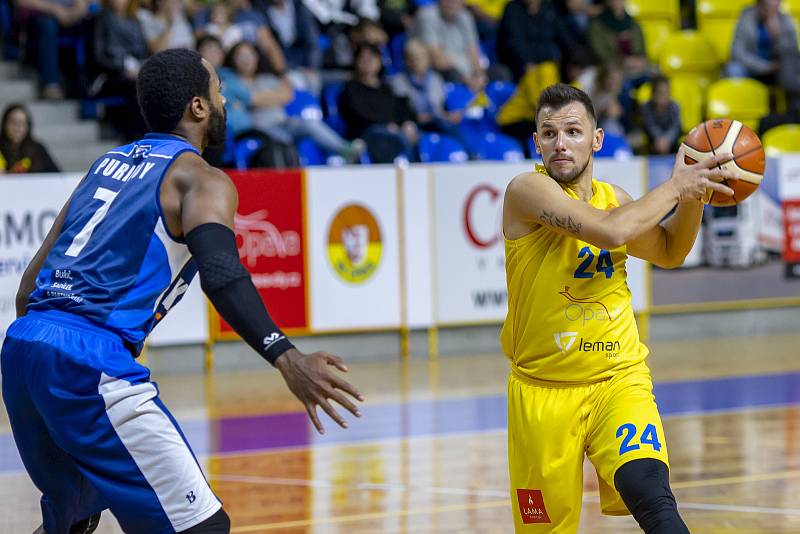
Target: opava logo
354 243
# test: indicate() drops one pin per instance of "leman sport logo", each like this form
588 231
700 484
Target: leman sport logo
354 244
564 340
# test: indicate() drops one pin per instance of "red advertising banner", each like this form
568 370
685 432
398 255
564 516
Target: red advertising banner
791 224
269 233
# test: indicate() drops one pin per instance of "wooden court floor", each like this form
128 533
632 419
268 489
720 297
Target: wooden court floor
429 455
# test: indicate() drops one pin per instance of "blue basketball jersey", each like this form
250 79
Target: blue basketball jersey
115 262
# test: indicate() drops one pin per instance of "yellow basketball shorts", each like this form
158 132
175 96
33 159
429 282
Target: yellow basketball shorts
551 428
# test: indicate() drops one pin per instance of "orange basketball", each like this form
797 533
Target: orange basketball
725 135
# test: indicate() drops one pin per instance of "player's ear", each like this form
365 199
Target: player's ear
597 142
199 108
536 143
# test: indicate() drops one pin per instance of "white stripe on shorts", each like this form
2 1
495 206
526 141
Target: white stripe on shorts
159 451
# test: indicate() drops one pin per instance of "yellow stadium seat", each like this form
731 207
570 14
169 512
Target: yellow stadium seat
667 10
743 99
729 9
690 100
655 34
688 54
719 32
781 139
792 7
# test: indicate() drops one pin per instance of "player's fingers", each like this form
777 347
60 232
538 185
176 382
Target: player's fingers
311 409
679 157
722 174
332 413
716 186
336 361
344 385
345 402
718 159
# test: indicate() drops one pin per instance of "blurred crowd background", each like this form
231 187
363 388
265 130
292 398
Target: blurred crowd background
311 82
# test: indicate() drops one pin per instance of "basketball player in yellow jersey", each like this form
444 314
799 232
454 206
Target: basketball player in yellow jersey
579 383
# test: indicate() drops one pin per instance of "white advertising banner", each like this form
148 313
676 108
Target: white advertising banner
417 231
470 260
353 248
28 208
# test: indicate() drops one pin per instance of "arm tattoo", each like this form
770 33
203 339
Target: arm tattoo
565 223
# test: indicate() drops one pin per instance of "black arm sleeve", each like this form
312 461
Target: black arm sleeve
229 287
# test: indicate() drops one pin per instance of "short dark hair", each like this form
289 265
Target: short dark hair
204 40
559 95
167 83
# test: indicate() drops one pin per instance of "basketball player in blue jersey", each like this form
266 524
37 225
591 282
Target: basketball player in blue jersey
89 425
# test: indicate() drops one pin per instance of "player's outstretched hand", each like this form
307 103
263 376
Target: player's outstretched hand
310 378
693 181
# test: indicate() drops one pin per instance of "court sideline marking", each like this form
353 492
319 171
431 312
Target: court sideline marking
588 496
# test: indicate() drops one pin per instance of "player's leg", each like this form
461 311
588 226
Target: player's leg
644 487
68 500
627 446
101 409
545 457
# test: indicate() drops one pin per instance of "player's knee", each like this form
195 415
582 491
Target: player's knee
219 523
644 487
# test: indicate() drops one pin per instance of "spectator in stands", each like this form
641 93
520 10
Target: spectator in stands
166 26
251 26
119 50
372 112
531 33
661 119
47 19
19 152
764 37
297 32
255 103
397 16
615 37
220 25
343 12
487 15
606 99
345 41
423 88
448 30
211 49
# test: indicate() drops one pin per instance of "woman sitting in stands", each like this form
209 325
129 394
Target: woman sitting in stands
255 103
19 152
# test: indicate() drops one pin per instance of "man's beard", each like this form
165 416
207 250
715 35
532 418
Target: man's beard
568 178
217 131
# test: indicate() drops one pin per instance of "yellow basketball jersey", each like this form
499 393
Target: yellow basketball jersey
569 318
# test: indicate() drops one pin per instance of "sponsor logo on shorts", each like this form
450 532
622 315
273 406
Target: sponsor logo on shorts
585 310
531 506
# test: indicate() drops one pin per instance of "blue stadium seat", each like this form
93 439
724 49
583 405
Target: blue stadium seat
304 105
441 148
614 146
244 150
330 97
499 92
499 147
458 97
310 153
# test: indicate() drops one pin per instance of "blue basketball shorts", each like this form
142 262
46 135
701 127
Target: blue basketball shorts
92 431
